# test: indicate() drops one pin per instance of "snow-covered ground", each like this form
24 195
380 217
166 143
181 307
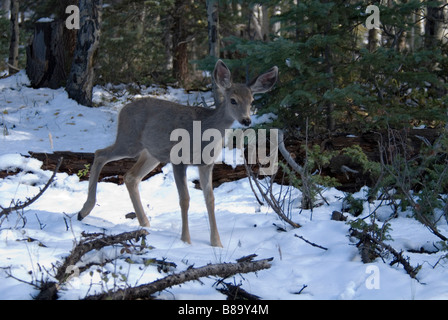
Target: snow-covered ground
34 240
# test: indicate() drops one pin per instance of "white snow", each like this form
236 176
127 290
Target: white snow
40 236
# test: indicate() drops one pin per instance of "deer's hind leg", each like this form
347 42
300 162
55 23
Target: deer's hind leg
180 177
145 164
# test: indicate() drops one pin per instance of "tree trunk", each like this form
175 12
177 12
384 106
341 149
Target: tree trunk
265 23
213 27
213 39
46 55
402 41
13 60
373 41
80 80
330 71
167 39
434 27
180 43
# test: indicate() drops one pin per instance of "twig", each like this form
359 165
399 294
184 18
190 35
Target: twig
311 243
85 246
301 290
272 202
306 189
13 67
49 289
247 258
235 292
6 211
223 270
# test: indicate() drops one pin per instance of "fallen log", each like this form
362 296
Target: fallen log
145 291
351 180
74 162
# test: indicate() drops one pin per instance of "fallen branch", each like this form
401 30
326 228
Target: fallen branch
234 292
49 289
223 270
311 243
6 211
268 197
364 238
305 177
97 244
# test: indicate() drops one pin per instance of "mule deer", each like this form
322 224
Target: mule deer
144 128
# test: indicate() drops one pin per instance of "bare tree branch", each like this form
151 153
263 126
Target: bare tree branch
49 289
221 270
364 236
306 183
6 211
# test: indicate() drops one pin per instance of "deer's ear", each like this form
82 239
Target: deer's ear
264 82
222 75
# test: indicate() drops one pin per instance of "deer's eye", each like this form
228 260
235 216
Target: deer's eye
233 101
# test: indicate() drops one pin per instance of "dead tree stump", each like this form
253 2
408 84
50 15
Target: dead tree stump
49 55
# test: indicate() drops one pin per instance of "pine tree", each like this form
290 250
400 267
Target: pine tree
332 76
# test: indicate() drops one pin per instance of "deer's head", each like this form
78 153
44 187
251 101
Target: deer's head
238 97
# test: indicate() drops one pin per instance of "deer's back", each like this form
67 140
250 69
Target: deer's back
148 123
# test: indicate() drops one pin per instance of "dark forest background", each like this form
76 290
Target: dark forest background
334 71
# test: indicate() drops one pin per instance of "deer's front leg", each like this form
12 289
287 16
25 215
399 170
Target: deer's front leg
205 177
102 157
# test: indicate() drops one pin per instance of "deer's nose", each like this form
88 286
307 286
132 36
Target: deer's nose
246 121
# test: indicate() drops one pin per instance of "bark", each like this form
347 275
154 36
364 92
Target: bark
213 40
265 23
234 292
50 289
46 63
180 43
374 36
373 41
168 41
434 27
114 171
401 41
255 27
223 270
80 80
329 69
13 60
213 27
96 244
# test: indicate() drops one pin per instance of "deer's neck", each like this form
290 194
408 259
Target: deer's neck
219 119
